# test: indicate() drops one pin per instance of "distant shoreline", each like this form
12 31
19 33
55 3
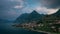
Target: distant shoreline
39 31
35 30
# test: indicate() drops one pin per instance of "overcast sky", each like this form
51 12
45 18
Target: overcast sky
11 9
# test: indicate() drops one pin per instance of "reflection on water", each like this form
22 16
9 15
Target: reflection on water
6 28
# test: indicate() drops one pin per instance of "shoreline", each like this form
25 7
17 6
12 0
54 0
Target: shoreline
31 29
36 30
41 31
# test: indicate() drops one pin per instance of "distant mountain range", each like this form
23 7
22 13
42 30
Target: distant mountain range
4 21
34 16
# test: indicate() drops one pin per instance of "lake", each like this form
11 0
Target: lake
6 28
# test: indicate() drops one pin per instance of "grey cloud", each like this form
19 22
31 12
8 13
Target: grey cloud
51 3
5 7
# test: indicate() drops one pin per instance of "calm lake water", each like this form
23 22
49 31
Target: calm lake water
6 28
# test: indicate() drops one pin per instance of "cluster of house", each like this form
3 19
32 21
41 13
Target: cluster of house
31 25
56 25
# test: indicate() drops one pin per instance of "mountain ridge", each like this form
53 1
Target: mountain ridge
33 16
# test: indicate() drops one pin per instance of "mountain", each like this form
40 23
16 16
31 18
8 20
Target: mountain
57 13
22 18
4 21
52 18
33 16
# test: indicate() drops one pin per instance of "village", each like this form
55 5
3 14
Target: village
54 27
